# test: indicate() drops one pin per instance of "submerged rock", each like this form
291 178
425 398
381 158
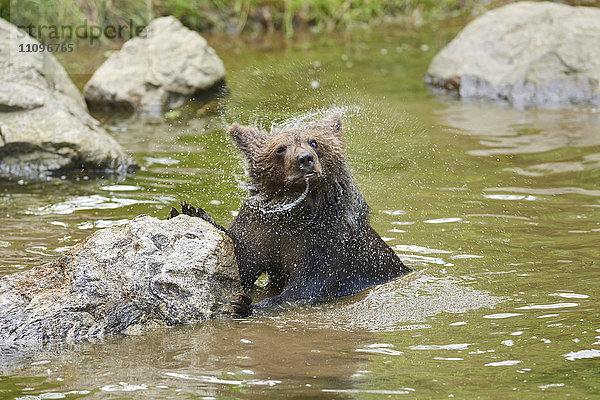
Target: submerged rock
526 53
44 124
159 70
147 273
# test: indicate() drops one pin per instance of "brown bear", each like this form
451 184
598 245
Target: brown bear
304 222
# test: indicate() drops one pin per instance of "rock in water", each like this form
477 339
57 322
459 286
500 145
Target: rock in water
527 53
168 64
124 279
44 124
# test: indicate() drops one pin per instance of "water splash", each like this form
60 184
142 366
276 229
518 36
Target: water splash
397 305
278 207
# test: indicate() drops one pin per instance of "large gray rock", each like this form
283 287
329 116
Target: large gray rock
147 273
44 124
526 53
157 70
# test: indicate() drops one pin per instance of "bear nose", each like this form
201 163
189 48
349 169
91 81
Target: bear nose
305 161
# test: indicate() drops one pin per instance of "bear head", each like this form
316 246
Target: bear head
282 162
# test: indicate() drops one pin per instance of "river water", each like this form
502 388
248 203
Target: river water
495 209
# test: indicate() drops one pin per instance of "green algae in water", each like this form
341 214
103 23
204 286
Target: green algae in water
496 210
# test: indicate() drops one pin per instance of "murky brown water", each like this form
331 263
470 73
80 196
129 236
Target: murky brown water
496 209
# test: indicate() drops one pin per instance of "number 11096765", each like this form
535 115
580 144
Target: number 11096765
50 48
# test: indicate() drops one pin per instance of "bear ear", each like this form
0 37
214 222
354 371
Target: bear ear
331 124
247 139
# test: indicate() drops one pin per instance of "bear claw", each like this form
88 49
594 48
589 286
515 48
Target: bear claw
242 306
187 209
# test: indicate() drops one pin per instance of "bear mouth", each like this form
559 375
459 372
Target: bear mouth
308 176
300 180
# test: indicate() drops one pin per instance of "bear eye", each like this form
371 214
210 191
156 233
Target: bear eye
313 143
281 149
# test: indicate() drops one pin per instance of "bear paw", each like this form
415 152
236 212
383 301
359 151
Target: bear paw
192 211
242 306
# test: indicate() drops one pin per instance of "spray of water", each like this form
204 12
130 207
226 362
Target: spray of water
280 207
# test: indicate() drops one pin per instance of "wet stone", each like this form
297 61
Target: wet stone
526 53
45 128
118 281
157 71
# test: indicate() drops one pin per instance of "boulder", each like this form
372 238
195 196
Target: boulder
126 279
44 124
540 54
158 70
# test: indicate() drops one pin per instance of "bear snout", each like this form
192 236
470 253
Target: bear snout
305 162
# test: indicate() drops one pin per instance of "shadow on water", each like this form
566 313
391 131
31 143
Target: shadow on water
507 131
308 352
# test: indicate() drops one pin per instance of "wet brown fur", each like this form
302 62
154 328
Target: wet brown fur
322 248
275 175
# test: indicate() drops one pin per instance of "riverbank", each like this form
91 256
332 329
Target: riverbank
250 16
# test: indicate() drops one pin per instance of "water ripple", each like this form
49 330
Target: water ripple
547 306
547 191
453 346
577 355
93 202
503 363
